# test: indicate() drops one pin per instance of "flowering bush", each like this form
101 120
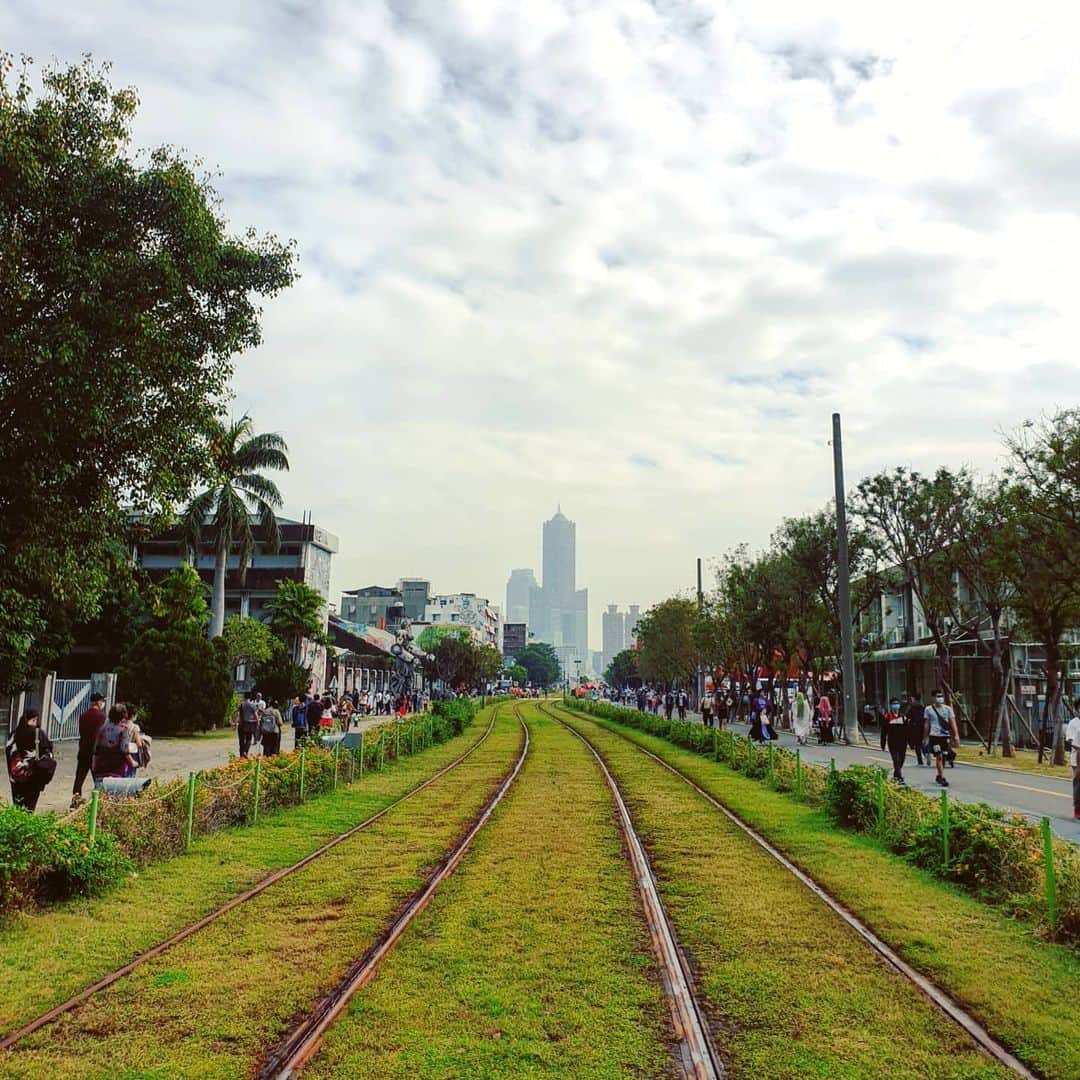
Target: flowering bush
42 858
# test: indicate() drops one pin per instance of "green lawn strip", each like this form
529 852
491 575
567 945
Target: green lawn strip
47 956
1026 761
532 960
214 1004
1021 989
791 990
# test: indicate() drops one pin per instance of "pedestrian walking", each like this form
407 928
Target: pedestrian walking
138 745
247 722
30 761
824 712
914 722
683 703
941 732
299 721
894 736
802 714
90 723
112 751
759 717
270 729
707 710
1072 742
669 704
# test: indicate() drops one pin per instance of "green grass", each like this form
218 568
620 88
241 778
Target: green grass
1023 990
1023 761
256 969
532 960
789 988
35 973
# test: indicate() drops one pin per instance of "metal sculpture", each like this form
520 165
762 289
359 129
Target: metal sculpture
406 656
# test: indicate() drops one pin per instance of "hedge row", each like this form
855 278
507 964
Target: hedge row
998 856
45 859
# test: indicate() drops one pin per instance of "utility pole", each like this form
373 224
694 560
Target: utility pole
847 646
700 669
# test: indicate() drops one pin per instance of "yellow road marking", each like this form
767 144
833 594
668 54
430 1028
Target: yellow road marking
1024 787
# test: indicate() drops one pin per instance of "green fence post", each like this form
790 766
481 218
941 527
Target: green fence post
1051 873
715 745
91 822
832 766
352 765
880 793
397 739
337 758
361 754
798 773
382 749
945 828
413 736
303 762
771 764
190 810
258 778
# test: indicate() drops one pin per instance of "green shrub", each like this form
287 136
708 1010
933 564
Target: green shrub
458 712
44 859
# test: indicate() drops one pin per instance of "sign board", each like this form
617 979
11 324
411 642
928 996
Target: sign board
1027 689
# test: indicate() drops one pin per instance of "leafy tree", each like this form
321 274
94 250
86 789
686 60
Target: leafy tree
517 674
279 676
667 652
178 601
623 669
181 678
541 662
248 641
296 615
489 663
430 636
456 662
122 301
237 488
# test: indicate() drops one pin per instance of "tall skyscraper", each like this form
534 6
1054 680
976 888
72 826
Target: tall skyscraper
633 617
559 611
519 591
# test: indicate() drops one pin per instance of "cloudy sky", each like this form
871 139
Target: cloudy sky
629 256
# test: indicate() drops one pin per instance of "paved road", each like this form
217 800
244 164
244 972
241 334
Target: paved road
1027 793
172 758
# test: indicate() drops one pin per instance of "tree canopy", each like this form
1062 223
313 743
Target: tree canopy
123 300
540 661
623 668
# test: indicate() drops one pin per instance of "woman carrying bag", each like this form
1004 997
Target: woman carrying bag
30 761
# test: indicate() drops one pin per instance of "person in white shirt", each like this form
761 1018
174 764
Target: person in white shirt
940 729
1072 741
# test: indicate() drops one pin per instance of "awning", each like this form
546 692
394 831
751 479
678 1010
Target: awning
904 652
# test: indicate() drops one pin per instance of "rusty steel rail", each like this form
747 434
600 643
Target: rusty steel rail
698 1059
955 1012
106 981
303 1041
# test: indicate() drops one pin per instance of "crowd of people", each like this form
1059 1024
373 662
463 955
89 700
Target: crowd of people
110 746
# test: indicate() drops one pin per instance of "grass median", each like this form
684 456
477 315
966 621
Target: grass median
47 956
533 960
1021 989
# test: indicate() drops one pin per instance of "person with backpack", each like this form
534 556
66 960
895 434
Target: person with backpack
914 717
30 761
684 702
247 723
112 751
270 729
941 732
707 709
669 704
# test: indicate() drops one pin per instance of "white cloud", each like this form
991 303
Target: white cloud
544 244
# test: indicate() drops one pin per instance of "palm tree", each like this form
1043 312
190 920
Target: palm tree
236 490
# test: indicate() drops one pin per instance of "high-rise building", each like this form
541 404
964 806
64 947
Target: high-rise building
558 610
633 617
515 638
415 593
614 626
519 591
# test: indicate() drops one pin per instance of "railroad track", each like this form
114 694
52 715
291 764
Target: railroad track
954 1011
698 1059
9 1041
300 1045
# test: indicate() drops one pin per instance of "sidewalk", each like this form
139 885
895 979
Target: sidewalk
173 757
1031 794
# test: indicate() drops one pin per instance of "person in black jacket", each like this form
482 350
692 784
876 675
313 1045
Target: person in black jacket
27 742
913 724
894 736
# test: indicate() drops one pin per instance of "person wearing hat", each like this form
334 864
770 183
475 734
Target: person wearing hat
90 723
